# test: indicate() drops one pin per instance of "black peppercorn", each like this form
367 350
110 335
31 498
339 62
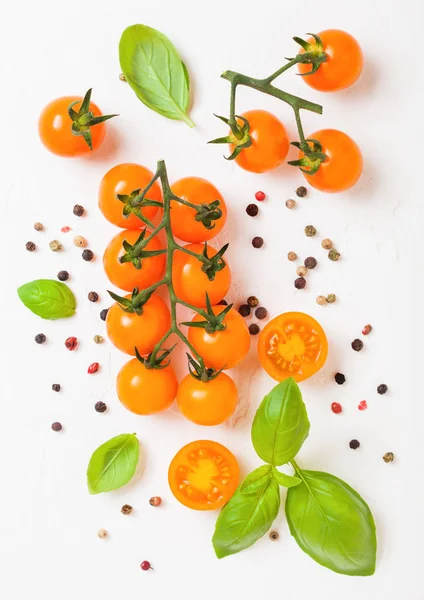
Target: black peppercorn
261 312
40 338
56 426
93 296
254 329
301 191
63 275
56 387
100 407
300 283
252 210
339 378
103 314
78 210
357 345
30 246
257 242
244 310
222 303
310 262
87 255
252 301
382 388
354 444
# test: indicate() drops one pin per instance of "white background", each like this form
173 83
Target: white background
48 522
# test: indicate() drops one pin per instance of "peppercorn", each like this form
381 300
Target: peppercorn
363 405
300 283
63 275
30 246
257 242
56 387
301 271
339 378
55 245
389 457
310 262
261 312
87 255
98 339
252 301
65 229
310 231
321 300
292 256
145 565
382 388
40 338
78 210
254 329
71 343
223 303
357 345
155 501
333 254
93 368
56 426
260 196
93 296
336 407
301 191
100 407
354 444
103 314
38 226
327 244
122 77
290 203
244 310
102 534
80 241
331 298
366 330
126 509
252 210
274 536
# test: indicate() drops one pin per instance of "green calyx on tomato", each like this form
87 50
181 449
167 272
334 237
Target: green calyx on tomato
213 264
159 360
212 322
134 202
84 118
200 372
135 253
314 53
135 303
239 137
207 213
313 156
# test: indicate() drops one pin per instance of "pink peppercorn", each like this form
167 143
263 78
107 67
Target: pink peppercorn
71 343
65 229
336 408
145 565
366 330
363 405
260 196
93 368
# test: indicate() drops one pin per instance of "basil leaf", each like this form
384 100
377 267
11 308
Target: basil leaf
332 523
281 424
113 463
156 73
47 298
284 480
256 480
246 518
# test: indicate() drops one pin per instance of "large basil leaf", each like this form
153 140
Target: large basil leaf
48 298
113 464
156 73
332 523
246 518
281 424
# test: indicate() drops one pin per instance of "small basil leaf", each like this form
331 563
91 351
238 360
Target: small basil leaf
256 480
113 463
281 424
156 73
332 523
246 518
284 480
47 298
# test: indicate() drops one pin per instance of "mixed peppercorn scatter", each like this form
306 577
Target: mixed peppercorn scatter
65 229
331 298
302 271
321 300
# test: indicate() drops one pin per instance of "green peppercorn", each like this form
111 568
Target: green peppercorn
55 245
98 339
333 254
310 231
331 298
389 457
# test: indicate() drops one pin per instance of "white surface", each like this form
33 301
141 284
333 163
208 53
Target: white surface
48 522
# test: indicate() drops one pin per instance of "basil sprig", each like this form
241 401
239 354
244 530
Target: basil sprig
327 518
47 298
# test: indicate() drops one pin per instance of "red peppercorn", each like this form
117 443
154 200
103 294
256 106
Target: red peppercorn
71 343
65 229
366 330
260 196
145 565
363 405
336 408
93 368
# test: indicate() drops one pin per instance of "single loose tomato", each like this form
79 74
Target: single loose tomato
270 144
343 65
343 166
125 275
197 191
146 391
207 403
222 349
129 329
292 345
203 475
125 179
191 283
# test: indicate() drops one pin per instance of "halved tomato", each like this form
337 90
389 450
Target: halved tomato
203 475
292 345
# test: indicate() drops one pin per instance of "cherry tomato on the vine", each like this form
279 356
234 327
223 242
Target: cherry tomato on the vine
222 349
146 391
183 222
270 144
343 166
128 329
203 475
125 179
191 284
343 65
125 275
207 403
292 345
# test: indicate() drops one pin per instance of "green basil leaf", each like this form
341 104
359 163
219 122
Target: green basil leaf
281 424
113 463
332 523
48 298
246 518
284 480
156 73
256 480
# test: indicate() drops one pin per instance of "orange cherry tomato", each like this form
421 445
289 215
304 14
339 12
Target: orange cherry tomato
54 128
270 144
292 345
183 223
125 179
146 391
222 349
207 403
127 330
343 65
125 275
191 284
203 475
343 167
